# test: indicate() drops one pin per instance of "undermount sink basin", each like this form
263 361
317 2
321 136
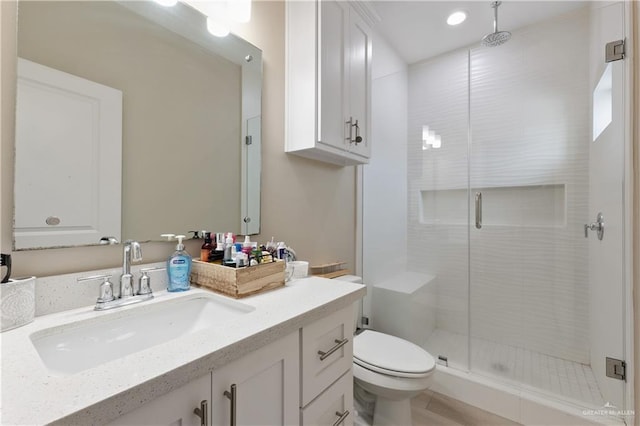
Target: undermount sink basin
81 345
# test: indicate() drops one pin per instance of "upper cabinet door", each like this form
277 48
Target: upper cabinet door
76 125
360 47
332 88
328 101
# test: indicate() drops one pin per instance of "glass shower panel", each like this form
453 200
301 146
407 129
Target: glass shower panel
438 178
530 122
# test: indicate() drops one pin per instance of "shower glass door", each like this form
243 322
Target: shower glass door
438 191
543 315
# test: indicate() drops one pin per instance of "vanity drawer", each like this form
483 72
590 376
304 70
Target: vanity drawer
333 405
333 337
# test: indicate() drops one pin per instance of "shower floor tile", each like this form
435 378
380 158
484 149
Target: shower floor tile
568 380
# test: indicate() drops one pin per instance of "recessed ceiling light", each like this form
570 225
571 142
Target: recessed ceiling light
457 18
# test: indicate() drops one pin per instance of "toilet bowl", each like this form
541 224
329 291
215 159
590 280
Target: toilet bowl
392 369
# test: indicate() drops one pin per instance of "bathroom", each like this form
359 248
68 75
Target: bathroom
312 205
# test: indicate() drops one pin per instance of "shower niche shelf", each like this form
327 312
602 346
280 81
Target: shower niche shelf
526 206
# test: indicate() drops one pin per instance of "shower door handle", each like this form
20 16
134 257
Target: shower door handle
478 210
598 226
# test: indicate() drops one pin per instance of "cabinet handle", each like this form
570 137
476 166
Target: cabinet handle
349 124
341 417
358 137
203 412
339 344
232 397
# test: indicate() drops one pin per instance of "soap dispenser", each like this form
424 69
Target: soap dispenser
179 268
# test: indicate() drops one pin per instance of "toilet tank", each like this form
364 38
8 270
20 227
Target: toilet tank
357 306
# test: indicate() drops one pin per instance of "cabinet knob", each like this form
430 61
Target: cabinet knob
351 124
52 221
358 138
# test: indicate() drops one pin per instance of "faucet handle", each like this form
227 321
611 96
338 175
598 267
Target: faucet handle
106 288
145 280
135 251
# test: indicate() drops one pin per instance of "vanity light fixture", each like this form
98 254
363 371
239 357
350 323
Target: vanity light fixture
457 17
222 13
217 27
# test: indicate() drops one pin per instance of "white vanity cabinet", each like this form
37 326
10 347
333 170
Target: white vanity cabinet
328 81
327 378
267 383
303 378
173 408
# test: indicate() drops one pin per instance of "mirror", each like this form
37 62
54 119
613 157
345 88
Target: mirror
182 113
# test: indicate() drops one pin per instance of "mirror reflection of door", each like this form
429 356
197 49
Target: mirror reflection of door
68 159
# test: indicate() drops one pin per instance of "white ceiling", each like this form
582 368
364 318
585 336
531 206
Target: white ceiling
418 30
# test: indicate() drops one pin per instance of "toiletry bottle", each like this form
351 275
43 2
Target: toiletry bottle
228 250
282 251
247 247
179 268
205 250
219 241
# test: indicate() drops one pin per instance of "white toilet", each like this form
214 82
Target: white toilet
391 368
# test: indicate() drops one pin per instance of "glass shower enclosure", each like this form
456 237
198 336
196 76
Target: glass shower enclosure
512 153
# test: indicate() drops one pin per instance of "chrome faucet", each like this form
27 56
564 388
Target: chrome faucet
132 253
127 296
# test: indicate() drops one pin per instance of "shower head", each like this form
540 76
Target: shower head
496 38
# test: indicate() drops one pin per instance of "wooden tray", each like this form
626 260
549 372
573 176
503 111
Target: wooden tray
330 270
238 282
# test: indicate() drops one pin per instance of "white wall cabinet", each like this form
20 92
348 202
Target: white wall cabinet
328 81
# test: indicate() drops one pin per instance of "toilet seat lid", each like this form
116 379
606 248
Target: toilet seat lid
391 355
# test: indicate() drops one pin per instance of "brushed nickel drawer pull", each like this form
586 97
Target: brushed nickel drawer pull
232 397
341 417
339 344
202 412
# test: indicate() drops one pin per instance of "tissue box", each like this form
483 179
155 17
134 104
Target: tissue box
240 282
17 302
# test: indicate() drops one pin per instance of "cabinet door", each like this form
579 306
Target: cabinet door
333 60
334 406
359 90
175 408
266 386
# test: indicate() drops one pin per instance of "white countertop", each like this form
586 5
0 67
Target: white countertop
31 395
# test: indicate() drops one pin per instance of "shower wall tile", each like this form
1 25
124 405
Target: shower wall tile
529 115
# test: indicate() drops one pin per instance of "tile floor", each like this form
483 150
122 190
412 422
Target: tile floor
569 380
434 409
